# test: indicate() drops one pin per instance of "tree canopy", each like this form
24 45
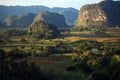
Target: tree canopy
41 29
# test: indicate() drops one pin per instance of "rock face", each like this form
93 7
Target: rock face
10 21
105 13
51 17
23 20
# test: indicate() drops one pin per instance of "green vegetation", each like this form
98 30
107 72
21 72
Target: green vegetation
85 55
7 33
82 59
90 28
41 29
10 70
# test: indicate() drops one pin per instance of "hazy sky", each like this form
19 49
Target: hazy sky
50 3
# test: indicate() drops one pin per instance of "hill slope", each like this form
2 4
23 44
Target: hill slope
23 20
40 29
51 17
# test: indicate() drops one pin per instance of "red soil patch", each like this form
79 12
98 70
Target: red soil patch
36 60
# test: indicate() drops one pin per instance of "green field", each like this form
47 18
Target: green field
62 58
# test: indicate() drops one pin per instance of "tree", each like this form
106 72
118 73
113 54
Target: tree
10 70
2 64
43 30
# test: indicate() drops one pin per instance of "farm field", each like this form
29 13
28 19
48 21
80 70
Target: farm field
60 58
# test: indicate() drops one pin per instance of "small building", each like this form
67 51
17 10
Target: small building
95 50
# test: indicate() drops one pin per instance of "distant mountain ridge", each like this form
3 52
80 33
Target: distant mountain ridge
69 13
26 20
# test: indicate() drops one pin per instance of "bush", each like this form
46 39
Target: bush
10 70
16 53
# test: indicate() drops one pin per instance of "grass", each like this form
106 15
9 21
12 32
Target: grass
57 64
111 35
29 44
49 65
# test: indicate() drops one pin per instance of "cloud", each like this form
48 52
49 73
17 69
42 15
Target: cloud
62 3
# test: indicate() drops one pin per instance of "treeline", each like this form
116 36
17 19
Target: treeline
12 32
89 28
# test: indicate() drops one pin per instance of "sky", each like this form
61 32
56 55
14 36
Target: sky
49 3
